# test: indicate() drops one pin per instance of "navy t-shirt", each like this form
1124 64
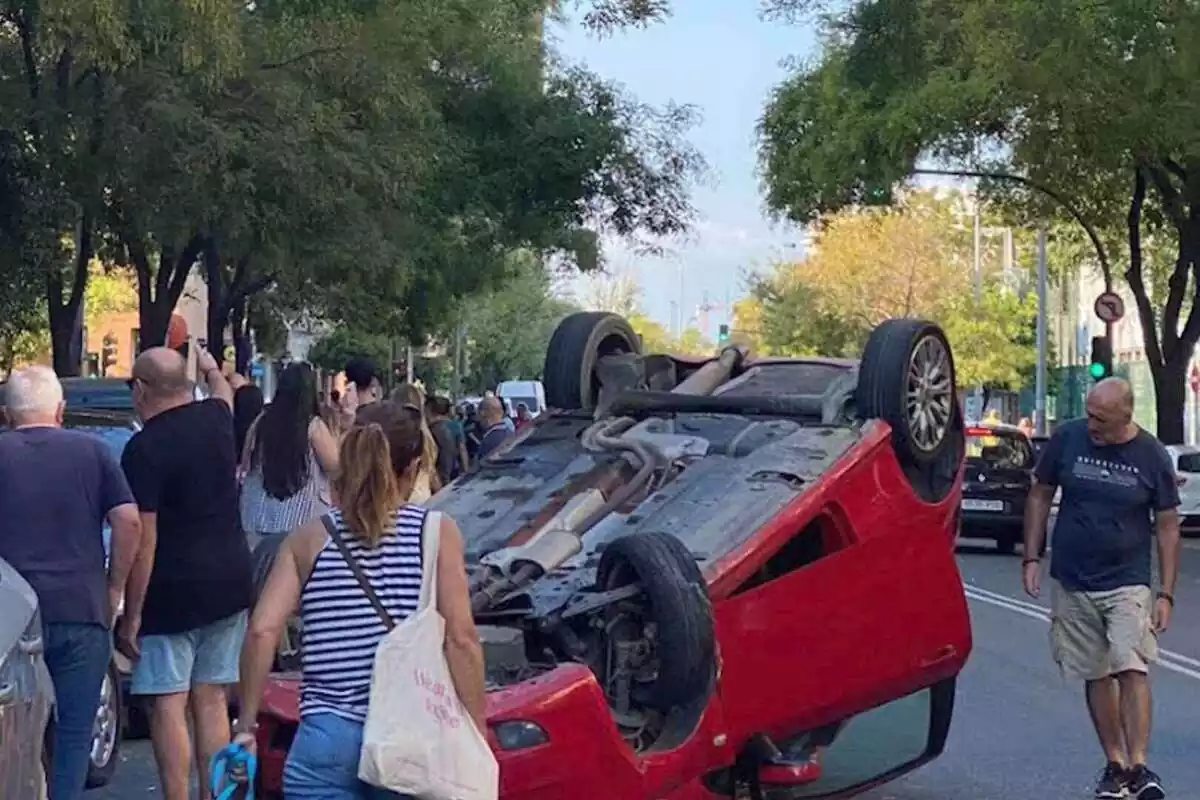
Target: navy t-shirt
493 438
56 488
182 467
1103 536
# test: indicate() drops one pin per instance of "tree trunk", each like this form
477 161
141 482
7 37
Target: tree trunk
218 312
1169 399
66 341
241 340
66 313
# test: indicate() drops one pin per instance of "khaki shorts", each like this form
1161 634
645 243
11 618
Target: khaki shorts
1098 634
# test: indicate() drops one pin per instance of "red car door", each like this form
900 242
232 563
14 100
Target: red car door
843 624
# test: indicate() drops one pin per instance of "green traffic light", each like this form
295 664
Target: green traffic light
1097 371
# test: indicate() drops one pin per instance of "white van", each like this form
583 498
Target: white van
531 393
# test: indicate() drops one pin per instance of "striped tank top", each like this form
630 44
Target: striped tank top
341 629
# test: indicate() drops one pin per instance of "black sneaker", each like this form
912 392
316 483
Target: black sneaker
1144 784
1112 783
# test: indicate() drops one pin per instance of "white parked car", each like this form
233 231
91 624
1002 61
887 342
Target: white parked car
1186 460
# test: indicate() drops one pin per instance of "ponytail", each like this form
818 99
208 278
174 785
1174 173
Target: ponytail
366 484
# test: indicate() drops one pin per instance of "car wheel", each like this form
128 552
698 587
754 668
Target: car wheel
106 731
676 603
580 341
1006 545
907 379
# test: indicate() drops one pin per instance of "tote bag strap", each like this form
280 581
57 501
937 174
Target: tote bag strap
359 575
431 539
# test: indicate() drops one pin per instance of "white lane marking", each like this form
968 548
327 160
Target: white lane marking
1044 612
1166 658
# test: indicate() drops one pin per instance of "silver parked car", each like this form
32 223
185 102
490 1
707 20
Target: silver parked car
26 693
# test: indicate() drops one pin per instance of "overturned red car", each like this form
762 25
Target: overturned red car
714 578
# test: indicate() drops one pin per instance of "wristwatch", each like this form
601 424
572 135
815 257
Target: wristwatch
240 727
1170 598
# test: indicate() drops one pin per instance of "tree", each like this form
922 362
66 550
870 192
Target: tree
616 293
508 329
312 150
990 338
871 264
1088 105
342 344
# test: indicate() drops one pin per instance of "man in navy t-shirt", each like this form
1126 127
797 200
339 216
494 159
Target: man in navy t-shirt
57 489
1118 492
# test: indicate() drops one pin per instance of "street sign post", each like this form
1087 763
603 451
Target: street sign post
1109 307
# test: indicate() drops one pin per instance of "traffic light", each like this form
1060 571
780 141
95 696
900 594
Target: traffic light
1102 358
108 354
723 335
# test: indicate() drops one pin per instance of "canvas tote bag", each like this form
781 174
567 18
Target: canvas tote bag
419 739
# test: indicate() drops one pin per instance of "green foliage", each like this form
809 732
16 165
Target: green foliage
1092 105
331 352
795 321
828 303
990 338
508 329
366 161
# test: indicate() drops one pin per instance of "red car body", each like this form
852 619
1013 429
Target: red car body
876 625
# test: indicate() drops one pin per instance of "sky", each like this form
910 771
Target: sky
721 58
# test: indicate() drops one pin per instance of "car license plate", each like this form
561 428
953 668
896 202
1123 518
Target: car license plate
982 505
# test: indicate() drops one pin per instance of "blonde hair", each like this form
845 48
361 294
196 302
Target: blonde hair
367 487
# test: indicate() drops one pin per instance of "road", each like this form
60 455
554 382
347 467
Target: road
1019 729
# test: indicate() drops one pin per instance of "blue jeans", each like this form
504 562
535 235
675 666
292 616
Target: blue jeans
77 656
323 762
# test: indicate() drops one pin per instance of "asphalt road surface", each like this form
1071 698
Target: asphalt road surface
1020 730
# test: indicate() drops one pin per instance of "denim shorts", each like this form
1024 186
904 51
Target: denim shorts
173 663
322 763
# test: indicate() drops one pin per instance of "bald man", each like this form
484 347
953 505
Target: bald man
191 583
492 420
1118 491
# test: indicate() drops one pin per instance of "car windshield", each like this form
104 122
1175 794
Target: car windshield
998 449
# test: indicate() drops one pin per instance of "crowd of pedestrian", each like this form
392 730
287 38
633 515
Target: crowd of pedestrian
337 480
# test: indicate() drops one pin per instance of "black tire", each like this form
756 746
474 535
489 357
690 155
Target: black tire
102 765
579 341
1006 545
884 384
678 603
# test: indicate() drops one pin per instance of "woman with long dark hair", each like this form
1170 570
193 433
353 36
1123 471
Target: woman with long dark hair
288 459
247 406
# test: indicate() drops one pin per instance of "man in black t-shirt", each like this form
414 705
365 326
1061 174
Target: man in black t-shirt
190 587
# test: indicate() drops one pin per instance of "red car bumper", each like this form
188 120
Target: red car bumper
569 706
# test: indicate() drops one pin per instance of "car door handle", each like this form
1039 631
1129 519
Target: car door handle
8 693
32 645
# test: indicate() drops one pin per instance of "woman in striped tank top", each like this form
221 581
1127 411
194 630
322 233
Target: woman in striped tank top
380 458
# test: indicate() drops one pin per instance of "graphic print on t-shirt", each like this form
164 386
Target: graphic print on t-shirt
1111 473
